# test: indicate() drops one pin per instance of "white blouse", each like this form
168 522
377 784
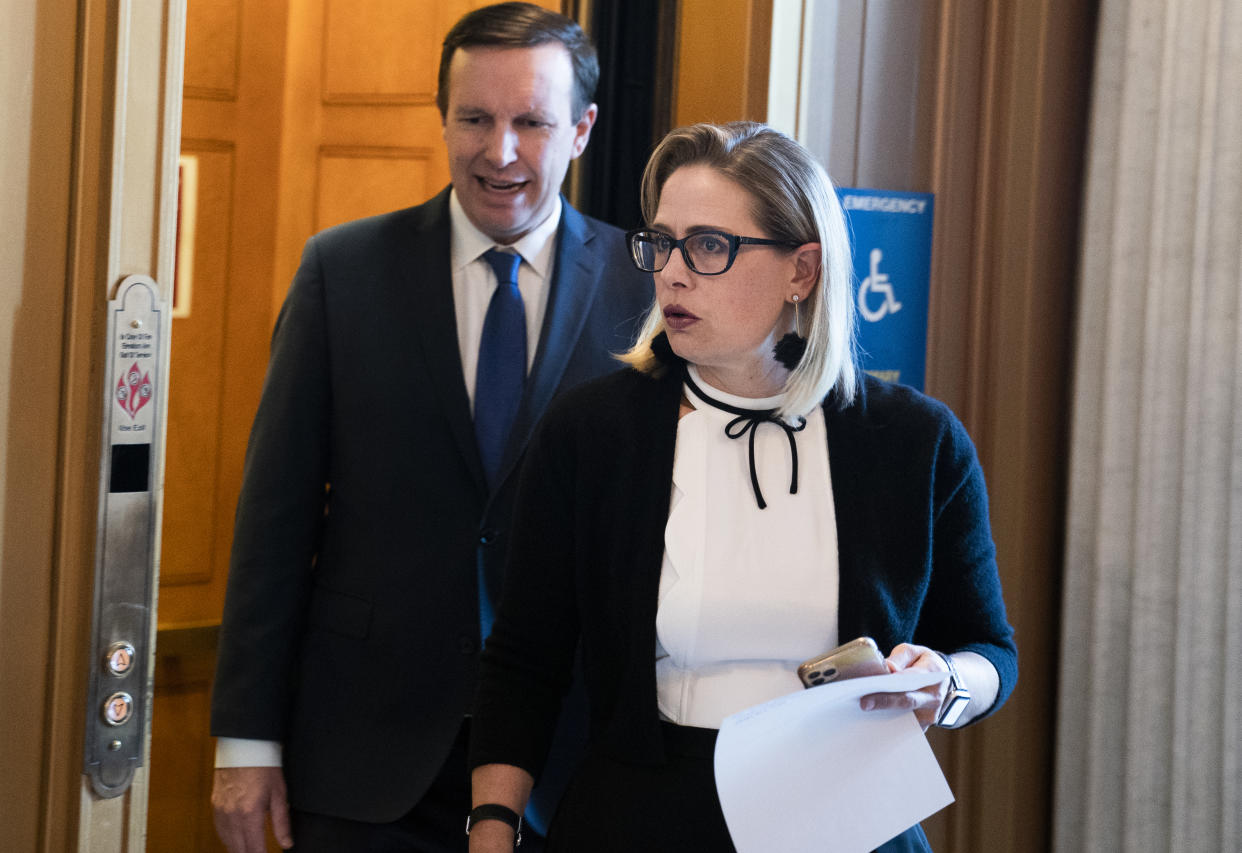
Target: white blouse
746 594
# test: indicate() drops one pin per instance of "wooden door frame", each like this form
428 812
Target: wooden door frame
122 216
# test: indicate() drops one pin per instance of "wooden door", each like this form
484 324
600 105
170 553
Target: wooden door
296 116
230 143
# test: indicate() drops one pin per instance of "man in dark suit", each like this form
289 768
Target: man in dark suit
412 358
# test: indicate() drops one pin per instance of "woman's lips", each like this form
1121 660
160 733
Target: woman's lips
678 318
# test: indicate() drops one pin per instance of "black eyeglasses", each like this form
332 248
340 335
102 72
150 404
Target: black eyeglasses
705 252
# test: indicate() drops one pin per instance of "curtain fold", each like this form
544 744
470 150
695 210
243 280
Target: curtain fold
1149 740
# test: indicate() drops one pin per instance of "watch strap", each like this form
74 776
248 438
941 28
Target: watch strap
495 811
958 698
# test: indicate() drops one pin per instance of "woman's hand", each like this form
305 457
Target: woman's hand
925 703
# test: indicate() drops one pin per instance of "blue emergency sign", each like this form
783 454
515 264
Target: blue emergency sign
892 237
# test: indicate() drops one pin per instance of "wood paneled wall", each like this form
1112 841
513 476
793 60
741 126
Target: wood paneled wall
723 51
231 126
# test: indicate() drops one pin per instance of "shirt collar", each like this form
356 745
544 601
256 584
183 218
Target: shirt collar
468 242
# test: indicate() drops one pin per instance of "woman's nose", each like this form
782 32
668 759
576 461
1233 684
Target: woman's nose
676 272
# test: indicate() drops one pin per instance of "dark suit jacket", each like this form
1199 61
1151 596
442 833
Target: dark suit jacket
351 630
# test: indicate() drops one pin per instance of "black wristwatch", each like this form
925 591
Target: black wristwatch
495 811
958 698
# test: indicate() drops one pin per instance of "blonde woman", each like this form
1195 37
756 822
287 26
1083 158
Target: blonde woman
736 501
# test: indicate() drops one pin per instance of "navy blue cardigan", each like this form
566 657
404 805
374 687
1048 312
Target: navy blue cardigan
917 562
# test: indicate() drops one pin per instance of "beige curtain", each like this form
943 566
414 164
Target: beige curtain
1149 751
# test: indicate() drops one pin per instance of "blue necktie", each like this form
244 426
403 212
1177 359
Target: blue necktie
501 372
498 385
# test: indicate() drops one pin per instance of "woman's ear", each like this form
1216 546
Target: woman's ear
807 258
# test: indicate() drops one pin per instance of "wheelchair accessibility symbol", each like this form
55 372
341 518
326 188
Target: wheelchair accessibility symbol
878 283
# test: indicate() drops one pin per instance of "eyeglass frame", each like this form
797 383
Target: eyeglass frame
735 243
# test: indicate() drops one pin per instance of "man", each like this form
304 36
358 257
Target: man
380 473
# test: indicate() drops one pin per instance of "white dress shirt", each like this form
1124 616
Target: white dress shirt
746 594
474 282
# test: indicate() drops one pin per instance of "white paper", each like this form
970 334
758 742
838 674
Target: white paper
812 772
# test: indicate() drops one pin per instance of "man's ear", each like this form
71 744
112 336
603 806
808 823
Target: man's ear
582 130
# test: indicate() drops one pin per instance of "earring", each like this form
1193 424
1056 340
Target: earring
790 348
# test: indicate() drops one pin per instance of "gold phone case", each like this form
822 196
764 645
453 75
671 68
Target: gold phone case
852 660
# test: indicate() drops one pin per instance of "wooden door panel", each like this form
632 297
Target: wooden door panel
358 181
364 64
212 49
180 798
193 511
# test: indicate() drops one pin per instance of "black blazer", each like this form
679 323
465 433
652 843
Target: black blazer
350 628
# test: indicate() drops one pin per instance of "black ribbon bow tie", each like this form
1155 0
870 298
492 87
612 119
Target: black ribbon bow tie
748 421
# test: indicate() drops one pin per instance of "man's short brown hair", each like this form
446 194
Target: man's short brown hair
522 25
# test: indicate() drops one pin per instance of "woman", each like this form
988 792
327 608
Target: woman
735 502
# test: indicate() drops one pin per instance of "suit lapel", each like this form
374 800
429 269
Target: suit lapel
428 276
572 291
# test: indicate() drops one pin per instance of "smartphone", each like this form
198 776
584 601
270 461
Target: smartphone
854 659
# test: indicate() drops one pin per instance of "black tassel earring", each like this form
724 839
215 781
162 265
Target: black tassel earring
790 348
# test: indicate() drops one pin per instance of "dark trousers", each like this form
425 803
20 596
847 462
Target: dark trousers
436 824
613 806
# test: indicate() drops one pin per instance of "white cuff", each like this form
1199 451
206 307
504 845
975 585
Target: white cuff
245 752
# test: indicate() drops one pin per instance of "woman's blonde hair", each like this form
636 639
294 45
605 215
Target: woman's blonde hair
792 198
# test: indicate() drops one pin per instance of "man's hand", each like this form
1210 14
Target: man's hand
243 797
